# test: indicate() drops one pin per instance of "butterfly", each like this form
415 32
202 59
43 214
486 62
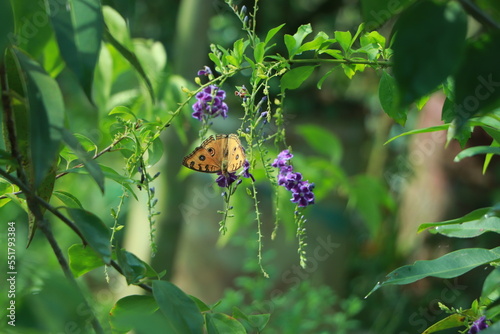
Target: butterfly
223 153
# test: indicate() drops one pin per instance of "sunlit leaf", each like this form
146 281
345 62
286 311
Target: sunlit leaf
295 77
344 38
83 259
293 43
318 42
272 32
451 321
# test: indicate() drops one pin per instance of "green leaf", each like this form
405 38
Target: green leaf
419 69
155 152
372 38
344 38
388 96
491 288
474 215
259 51
46 115
78 26
322 141
135 312
489 156
88 162
476 81
238 51
32 30
134 269
295 77
472 224
469 229
201 305
451 321
319 41
111 174
132 59
256 322
68 199
83 259
349 70
181 312
450 265
472 151
272 32
424 130
94 231
219 323
293 43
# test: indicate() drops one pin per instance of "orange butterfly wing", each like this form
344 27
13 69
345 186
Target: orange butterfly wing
223 153
205 158
236 153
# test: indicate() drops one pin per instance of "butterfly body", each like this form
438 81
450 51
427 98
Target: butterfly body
222 153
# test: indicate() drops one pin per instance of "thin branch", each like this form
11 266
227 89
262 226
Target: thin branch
479 14
384 63
42 202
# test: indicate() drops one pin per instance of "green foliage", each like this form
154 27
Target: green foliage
84 71
450 265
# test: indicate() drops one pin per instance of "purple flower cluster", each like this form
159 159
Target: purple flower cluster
210 102
478 325
224 181
302 191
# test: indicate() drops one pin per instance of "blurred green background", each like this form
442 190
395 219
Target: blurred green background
371 197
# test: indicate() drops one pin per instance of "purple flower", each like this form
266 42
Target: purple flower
290 180
225 181
210 102
282 159
205 71
478 325
302 194
245 172
302 191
